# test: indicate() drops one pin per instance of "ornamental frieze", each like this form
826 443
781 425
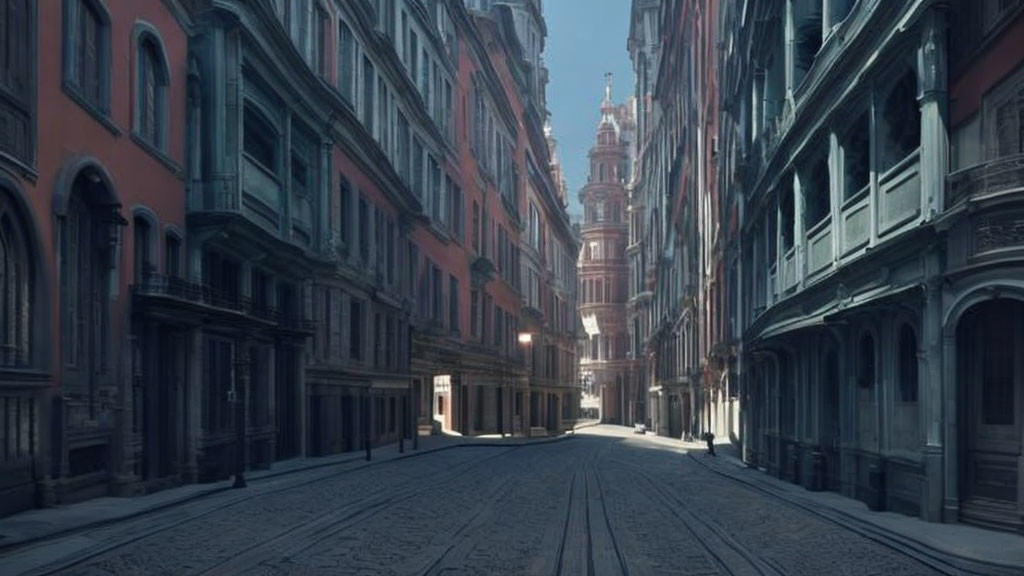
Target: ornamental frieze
993 234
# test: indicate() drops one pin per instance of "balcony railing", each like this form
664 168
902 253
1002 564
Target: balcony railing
819 246
899 193
789 278
202 294
855 222
995 176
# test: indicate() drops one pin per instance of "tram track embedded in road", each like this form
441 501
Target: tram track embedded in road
95 552
677 508
918 551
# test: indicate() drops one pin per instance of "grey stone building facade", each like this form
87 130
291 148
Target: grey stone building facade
878 303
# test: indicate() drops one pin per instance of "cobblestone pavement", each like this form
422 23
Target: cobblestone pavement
599 503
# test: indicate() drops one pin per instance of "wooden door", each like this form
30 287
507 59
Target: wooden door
994 372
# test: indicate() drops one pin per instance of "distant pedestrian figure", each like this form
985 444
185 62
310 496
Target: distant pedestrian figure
710 439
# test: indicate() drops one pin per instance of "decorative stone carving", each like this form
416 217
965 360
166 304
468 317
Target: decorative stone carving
994 234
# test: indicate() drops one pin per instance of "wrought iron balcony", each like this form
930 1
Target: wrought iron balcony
160 286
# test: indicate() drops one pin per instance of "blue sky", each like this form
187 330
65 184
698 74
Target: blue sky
586 39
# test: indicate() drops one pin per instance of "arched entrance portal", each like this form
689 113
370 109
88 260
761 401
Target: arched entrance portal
89 225
990 375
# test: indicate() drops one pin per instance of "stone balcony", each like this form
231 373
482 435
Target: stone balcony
999 176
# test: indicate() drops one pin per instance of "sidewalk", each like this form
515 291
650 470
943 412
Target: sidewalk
38 525
959 546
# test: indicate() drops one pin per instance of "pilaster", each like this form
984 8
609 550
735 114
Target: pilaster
933 102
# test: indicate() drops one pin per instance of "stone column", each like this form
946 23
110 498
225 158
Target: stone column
930 359
931 69
835 165
951 459
874 161
799 230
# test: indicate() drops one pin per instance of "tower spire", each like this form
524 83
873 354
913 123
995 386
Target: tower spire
607 89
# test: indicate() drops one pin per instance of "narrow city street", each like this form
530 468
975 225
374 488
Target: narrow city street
601 502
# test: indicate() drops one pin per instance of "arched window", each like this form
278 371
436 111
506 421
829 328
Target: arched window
901 121
866 361
908 364
151 93
15 290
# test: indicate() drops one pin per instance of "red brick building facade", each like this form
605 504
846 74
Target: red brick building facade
604 270
240 232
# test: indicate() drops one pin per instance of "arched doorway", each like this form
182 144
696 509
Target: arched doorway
24 344
89 229
990 375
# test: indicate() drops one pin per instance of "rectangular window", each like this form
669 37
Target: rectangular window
378 241
414 263
389 343
449 123
457 212
378 340
405 38
368 99
435 186
453 304
344 215
346 60
499 327
259 140
425 79
474 313
320 41
355 330
414 55
302 19
476 226
402 158
172 257
17 78
390 258
86 52
364 230
417 167
382 110
438 302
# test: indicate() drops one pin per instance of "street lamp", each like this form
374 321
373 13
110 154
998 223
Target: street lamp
526 339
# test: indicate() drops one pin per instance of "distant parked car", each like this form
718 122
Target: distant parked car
639 428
